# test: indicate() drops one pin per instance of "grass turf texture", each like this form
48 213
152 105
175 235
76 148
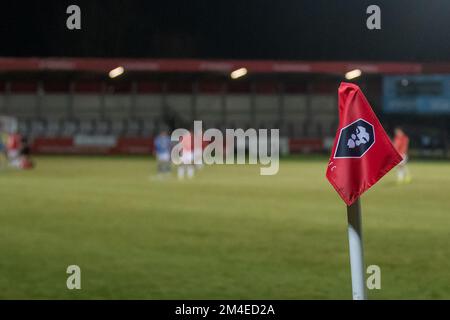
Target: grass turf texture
230 233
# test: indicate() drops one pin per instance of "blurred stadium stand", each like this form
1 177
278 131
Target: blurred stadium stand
62 98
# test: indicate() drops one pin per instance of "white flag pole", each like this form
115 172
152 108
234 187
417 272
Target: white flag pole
356 251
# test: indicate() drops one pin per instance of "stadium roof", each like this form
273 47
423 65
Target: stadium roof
101 65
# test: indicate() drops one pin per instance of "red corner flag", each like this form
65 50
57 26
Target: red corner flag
362 152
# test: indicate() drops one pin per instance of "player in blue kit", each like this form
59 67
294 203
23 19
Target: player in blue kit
162 145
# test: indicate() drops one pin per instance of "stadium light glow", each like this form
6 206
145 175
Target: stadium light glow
116 72
353 74
238 73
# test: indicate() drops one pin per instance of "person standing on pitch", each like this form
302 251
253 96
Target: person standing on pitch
162 152
13 149
187 157
198 153
401 144
3 151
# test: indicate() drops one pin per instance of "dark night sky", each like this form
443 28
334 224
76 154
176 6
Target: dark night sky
285 29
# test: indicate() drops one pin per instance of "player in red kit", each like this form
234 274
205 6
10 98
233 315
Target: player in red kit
401 144
13 146
187 157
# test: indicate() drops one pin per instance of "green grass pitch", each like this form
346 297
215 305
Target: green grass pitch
228 234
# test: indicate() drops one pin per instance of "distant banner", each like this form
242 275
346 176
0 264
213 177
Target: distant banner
92 145
428 94
95 140
137 145
305 145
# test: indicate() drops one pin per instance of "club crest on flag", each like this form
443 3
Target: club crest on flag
355 139
362 151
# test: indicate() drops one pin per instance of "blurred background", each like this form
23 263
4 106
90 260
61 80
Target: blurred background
87 105
58 100
177 58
